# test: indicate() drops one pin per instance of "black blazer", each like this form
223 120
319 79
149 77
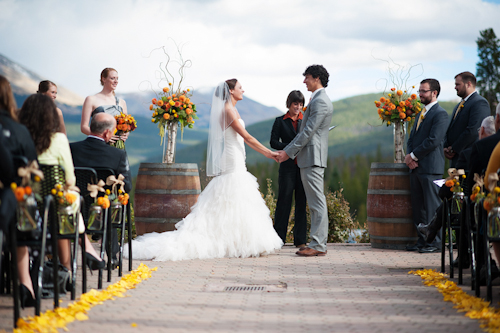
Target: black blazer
17 138
462 131
480 156
95 153
282 134
427 143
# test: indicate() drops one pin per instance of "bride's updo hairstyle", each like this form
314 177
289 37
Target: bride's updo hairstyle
222 93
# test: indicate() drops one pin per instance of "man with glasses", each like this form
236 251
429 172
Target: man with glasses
466 117
425 159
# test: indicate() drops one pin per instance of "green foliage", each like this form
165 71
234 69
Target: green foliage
488 67
341 222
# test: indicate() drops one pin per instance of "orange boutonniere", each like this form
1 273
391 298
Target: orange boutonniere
304 108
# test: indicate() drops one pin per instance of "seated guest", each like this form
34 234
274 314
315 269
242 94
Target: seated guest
39 114
49 88
94 152
17 142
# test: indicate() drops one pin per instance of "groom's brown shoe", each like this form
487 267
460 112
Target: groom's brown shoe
308 252
301 246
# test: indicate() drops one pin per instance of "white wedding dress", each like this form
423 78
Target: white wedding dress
230 218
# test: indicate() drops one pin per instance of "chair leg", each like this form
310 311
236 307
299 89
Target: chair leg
55 260
103 246
122 241
129 230
443 237
450 243
489 293
109 250
15 277
84 264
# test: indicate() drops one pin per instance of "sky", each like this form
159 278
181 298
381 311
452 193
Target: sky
265 44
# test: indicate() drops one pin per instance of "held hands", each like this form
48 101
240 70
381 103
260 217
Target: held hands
282 156
410 162
274 155
123 137
449 153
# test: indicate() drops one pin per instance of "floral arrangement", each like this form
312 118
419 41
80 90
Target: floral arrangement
64 198
493 198
398 106
453 180
477 189
173 107
124 123
27 210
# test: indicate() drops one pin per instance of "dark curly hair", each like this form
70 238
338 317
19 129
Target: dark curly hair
39 115
318 71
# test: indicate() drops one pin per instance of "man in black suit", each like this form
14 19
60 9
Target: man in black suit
466 117
284 130
426 161
94 152
488 128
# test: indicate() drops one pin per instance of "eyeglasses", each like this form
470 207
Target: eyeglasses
423 91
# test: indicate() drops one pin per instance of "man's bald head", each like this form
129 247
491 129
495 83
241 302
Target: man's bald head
101 124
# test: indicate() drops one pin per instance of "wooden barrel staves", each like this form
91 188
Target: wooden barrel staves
164 195
388 207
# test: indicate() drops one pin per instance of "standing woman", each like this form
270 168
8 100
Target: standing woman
104 101
49 88
284 130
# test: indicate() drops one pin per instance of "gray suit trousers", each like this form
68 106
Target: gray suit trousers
313 181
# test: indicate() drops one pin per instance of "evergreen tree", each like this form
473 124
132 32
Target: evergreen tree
488 67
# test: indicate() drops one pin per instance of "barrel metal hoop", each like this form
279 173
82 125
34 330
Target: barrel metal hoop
156 220
169 166
388 192
385 173
389 220
393 238
168 173
173 192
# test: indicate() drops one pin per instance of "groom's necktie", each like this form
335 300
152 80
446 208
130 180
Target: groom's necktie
421 117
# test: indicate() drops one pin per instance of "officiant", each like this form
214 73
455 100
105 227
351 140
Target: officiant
284 130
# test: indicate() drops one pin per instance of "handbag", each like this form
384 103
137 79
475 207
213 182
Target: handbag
48 274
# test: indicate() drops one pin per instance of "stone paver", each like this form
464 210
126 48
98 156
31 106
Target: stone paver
355 288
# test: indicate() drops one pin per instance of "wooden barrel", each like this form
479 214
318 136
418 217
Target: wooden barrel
388 207
164 195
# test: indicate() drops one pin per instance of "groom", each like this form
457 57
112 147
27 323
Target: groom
310 146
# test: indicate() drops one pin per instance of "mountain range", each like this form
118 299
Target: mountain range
358 131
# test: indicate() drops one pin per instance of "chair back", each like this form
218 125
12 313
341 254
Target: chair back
52 175
85 176
104 173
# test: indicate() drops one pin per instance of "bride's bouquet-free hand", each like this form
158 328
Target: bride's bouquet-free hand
125 123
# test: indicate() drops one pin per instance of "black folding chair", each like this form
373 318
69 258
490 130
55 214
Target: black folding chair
452 222
53 175
85 176
104 173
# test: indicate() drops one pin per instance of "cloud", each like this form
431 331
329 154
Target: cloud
266 44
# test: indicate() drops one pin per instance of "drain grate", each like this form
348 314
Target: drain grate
238 288
246 287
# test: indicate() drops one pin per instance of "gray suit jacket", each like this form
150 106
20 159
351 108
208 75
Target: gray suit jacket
310 146
427 143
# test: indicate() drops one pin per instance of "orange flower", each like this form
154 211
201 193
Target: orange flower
377 104
449 183
20 193
166 116
28 190
177 104
153 101
487 205
70 198
392 106
392 89
382 99
413 96
399 92
166 89
304 108
160 103
182 98
189 111
402 115
401 103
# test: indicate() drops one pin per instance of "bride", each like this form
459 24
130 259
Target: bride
230 218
